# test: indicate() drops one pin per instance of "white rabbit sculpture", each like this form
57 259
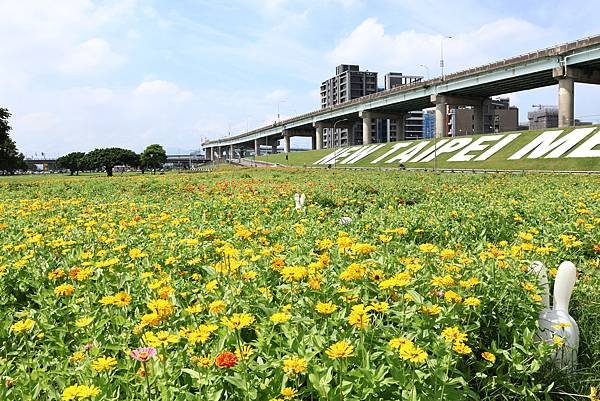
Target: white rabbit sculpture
299 200
555 323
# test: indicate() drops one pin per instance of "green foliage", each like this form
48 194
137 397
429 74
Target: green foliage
10 158
74 161
154 156
108 158
193 239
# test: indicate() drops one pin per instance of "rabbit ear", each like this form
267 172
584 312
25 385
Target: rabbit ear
539 270
302 199
297 200
563 286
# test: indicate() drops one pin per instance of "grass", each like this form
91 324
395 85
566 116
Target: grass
496 162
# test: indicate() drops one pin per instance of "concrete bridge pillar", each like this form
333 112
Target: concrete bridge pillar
319 136
440 118
478 126
219 152
231 151
208 152
256 147
286 142
400 128
566 102
366 127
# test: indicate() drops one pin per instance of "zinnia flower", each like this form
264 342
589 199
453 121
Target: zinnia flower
226 360
340 349
143 354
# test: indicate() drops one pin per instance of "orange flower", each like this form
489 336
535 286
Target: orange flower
226 360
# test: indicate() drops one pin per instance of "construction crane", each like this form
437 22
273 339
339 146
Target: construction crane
544 106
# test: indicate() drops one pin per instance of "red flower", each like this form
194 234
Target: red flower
226 360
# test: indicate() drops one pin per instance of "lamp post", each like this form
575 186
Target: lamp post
442 54
426 68
334 135
278 103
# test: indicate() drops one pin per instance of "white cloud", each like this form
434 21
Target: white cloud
370 45
159 87
278 95
90 57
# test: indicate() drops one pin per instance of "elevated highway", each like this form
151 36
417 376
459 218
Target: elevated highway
561 65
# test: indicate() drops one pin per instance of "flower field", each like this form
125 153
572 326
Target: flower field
213 286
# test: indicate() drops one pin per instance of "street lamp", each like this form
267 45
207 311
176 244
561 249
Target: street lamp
442 54
426 68
278 103
334 147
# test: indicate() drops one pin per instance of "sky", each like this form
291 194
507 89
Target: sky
81 74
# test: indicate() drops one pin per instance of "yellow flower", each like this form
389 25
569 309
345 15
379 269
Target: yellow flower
411 353
562 325
594 394
203 361
454 334
428 248
294 365
461 348
216 307
245 352
488 356
451 296
280 317
238 321
358 317
558 341
340 349
162 338
288 393
22 325
84 321
136 253
201 334
472 301
326 308
79 392
380 307
161 307
398 342
77 357
64 290
433 310
104 363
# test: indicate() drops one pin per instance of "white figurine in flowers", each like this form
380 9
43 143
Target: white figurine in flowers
556 325
345 220
299 199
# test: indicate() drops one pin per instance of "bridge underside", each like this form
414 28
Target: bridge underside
563 65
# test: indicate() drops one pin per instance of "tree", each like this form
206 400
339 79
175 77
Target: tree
108 158
10 158
153 157
73 161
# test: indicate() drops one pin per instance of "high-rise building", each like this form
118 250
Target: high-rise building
428 123
498 116
347 84
413 121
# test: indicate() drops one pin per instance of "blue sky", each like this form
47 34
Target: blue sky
81 74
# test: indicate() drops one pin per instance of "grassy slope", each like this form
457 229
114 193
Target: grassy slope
498 161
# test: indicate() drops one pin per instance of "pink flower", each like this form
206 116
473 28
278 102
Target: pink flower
143 354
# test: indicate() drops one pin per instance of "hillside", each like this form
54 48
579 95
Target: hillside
571 149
